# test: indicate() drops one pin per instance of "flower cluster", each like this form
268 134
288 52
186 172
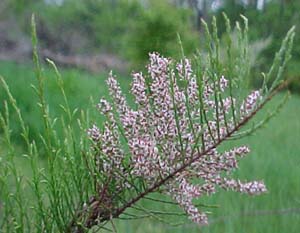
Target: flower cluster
174 131
250 102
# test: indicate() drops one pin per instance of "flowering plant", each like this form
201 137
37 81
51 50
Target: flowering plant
172 135
169 142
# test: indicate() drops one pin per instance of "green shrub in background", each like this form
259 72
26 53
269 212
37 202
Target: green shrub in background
18 7
156 30
109 22
123 27
127 28
87 26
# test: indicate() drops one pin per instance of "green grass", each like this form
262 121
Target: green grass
275 158
80 88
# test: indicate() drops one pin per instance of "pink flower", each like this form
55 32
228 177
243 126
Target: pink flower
170 126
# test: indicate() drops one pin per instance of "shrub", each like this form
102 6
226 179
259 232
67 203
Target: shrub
171 142
86 26
127 28
156 29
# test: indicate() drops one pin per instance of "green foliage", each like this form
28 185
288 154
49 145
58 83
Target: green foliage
97 24
124 27
156 29
65 184
20 7
109 21
273 22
